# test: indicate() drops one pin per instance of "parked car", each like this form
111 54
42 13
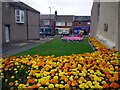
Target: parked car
46 30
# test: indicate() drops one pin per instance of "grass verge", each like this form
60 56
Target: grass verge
59 47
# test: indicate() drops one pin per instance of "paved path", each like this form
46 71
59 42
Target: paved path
13 48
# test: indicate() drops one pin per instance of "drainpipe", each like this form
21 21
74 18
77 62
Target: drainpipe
27 21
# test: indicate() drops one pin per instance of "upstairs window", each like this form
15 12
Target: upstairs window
19 16
60 23
46 22
69 23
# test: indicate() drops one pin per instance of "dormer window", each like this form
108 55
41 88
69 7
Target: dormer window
19 16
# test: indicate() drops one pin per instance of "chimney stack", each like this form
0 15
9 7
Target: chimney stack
55 13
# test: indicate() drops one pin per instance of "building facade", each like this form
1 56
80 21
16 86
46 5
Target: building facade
19 22
81 24
48 21
64 24
106 28
94 18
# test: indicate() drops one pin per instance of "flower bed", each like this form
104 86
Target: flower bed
89 70
72 38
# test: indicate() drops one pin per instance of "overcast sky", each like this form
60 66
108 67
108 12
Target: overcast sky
63 7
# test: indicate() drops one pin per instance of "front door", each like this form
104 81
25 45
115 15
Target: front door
7 33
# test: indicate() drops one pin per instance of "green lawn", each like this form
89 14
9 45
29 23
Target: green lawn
59 47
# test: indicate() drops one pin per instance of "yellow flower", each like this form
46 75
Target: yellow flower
66 79
41 88
15 69
85 80
81 86
38 85
16 81
61 73
112 69
71 78
6 80
67 85
89 82
95 82
62 82
57 85
16 84
80 81
103 82
37 75
55 77
51 86
86 86
61 86
91 71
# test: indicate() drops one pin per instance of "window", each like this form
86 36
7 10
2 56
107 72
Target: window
60 23
19 16
88 23
69 23
46 22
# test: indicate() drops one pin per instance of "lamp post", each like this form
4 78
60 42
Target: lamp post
50 15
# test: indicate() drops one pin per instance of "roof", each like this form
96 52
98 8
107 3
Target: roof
23 6
64 17
81 18
47 16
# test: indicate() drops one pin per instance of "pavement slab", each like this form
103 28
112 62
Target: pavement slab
16 47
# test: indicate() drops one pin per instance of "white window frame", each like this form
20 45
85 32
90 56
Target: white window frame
88 23
69 23
60 23
19 17
46 22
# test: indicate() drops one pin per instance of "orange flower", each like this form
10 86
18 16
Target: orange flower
106 65
34 86
103 63
116 75
69 73
80 68
63 77
114 85
81 78
11 83
42 64
47 68
113 63
74 83
65 68
55 81
29 88
94 62
67 85
28 63
108 76
105 85
76 77
106 72
31 81
92 77
69 82
52 73
112 79
102 75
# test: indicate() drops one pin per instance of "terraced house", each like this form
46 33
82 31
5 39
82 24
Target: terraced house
19 22
65 24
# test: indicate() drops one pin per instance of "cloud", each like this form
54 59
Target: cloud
72 7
